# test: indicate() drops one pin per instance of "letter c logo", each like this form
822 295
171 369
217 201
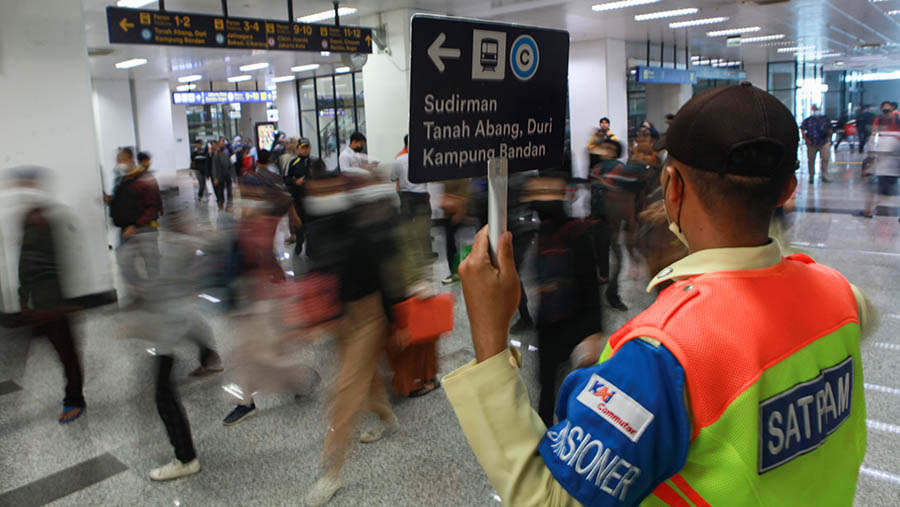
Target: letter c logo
524 58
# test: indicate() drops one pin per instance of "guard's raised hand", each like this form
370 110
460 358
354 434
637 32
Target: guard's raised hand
491 293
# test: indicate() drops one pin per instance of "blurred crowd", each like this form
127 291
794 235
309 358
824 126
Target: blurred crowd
301 252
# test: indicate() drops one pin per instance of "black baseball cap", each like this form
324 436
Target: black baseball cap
710 132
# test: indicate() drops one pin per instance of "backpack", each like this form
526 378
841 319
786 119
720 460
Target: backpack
124 209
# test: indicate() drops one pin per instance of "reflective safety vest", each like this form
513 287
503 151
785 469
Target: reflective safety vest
773 380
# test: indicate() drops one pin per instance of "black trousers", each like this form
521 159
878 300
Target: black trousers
223 190
450 231
201 182
59 332
555 345
172 412
863 139
521 241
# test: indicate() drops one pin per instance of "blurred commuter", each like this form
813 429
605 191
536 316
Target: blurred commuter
816 131
261 359
371 283
455 205
279 146
415 211
520 222
124 163
704 395
268 171
354 159
865 118
288 155
569 307
201 164
168 319
222 175
136 207
886 168
414 366
888 120
41 271
616 188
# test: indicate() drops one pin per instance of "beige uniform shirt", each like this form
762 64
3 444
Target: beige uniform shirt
494 410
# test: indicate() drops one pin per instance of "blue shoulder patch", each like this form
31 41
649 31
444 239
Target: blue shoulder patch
623 427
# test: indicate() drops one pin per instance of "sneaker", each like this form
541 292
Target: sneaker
239 413
380 430
450 279
522 326
70 413
322 491
175 469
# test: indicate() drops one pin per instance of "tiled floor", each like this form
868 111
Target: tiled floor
271 459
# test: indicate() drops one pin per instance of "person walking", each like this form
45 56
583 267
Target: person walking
41 270
222 176
201 164
816 131
864 120
710 394
136 206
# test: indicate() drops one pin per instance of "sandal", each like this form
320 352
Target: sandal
422 391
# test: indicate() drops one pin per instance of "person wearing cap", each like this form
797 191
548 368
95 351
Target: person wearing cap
741 385
295 176
816 131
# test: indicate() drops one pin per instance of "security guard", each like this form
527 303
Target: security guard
741 385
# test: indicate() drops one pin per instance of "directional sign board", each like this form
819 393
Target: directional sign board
661 75
481 90
170 28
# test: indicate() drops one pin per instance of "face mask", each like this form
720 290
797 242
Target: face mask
886 111
358 149
549 210
675 227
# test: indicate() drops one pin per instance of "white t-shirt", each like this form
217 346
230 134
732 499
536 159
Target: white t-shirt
400 173
352 162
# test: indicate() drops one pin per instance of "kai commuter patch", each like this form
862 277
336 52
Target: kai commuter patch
619 409
799 420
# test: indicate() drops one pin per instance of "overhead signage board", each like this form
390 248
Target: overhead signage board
480 90
223 97
661 75
705 72
170 28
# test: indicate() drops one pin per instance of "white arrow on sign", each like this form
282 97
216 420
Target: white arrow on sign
436 52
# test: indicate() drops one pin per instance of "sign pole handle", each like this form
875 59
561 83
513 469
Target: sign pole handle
498 180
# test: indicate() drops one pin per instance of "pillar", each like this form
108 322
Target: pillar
286 102
386 86
597 89
50 122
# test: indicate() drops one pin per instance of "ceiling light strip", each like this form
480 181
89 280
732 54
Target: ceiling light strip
622 4
733 31
666 14
698 22
761 38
